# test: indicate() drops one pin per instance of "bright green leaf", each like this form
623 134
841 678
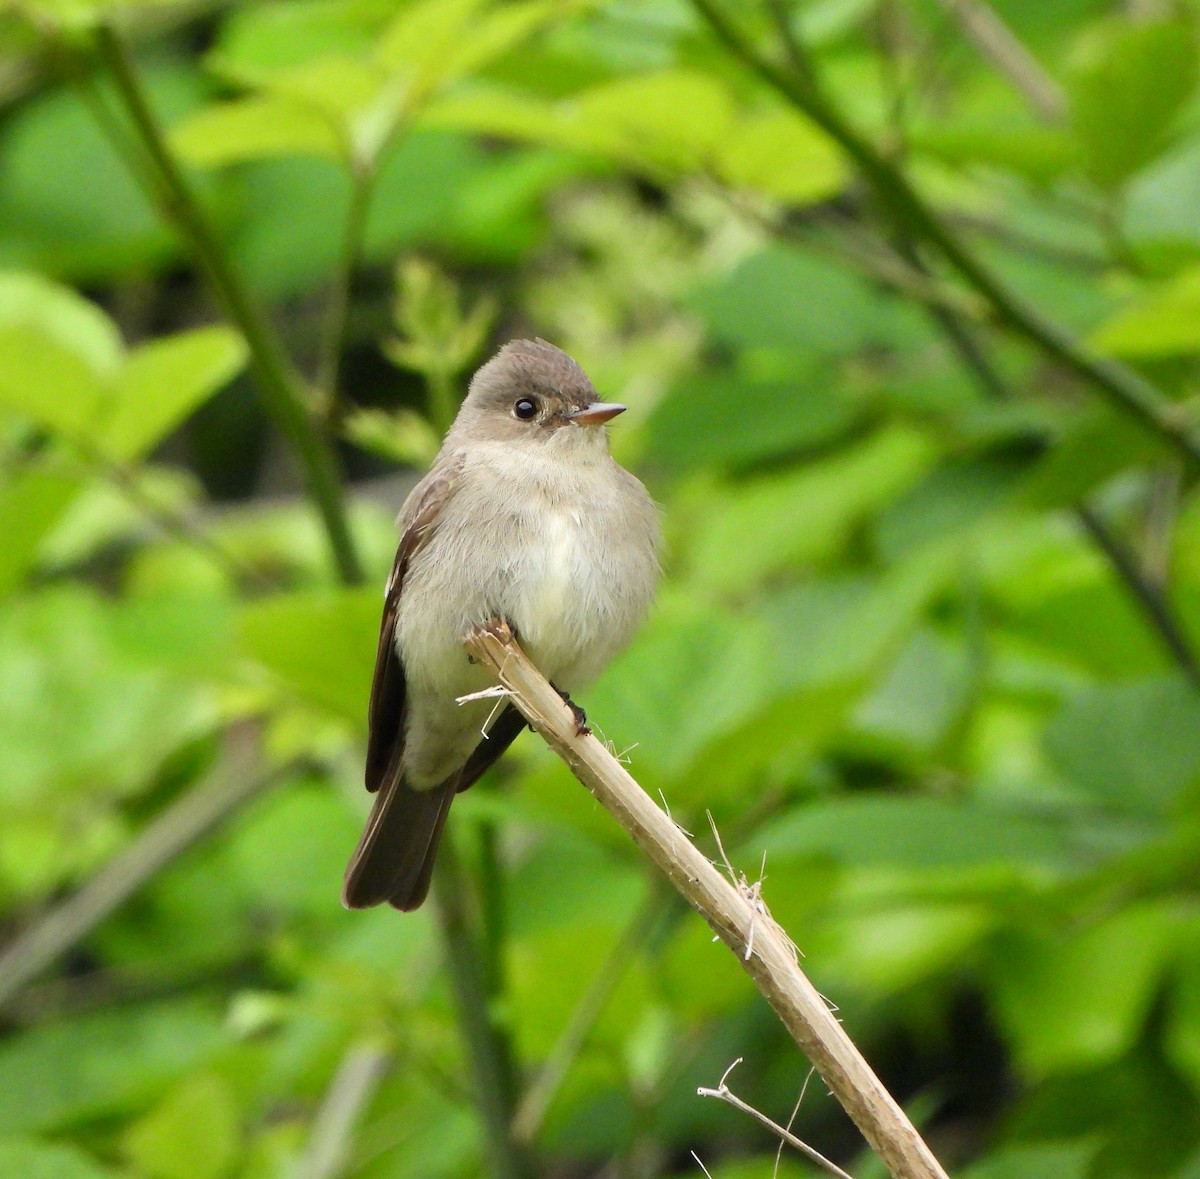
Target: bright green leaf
674 120
1076 1000
101 1063
31 1159
1128 94
59 353
916 832
781 155
320 645
163 382
74 324
1165 322
694 427
785 521
31 503
250 128
192 1133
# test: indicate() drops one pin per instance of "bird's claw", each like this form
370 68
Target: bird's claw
581 725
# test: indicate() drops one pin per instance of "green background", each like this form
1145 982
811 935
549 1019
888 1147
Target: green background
904 297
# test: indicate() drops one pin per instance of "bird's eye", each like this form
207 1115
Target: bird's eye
525 408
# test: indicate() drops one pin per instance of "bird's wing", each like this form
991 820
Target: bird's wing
385 713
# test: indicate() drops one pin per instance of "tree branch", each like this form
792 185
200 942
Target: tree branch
770 959
1149 596
284 394
911 217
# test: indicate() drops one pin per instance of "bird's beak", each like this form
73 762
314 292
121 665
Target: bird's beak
597 413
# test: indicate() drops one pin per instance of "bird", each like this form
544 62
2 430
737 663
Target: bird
524 517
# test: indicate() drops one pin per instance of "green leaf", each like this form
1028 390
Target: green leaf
1132 745
913 832
692 675
917 702
672 120
731 419
74 324
663 123
321 645
251 128
1128 94
260 40
101 1063
436 42
163 382
951 499
783 156
1009 141
31 1159
31 504
1059 1025
1182 1038
784 521
1066 1160
782 298
193 1133
60 351
81 714
1164 322
1096 445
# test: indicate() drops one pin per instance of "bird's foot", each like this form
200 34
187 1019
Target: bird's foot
581 725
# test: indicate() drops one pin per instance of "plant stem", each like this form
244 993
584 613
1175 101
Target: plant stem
915 220
486 1045
284 394
1148 595
333 335
540 1094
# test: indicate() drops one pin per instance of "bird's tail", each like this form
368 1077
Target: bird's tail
394 858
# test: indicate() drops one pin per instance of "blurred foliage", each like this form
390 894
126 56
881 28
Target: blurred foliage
925 650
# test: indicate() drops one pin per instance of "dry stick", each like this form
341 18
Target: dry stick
184 823
723 1093
772 964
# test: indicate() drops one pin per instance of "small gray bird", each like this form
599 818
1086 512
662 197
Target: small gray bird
525 517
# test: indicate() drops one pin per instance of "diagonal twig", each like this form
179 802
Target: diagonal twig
772 964
723 1093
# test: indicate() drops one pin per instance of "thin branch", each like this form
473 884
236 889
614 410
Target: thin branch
184 823
333 336
1148 595
913 218
1007 52
723 1093
285 396
486 1046
772 965
355 1083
